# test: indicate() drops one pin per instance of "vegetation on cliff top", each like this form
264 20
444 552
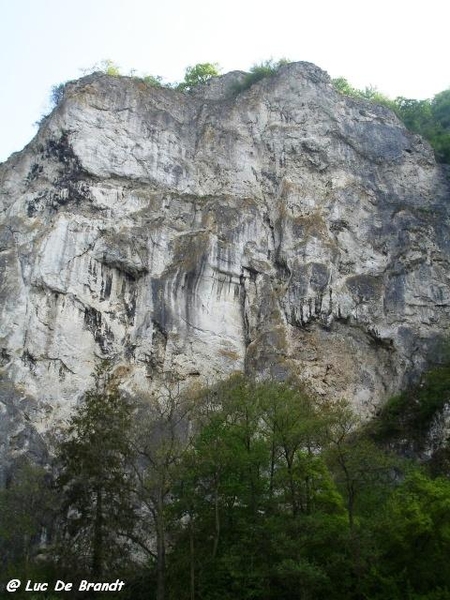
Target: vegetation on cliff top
429 118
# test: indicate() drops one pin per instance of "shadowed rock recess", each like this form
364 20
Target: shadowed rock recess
283 229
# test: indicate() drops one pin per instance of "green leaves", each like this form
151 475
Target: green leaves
247 491
259 71
198 74
95 475
418 546
27 508
254 495
405 419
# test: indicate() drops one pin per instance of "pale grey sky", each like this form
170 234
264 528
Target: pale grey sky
398 45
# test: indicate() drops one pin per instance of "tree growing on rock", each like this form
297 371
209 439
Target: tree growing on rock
200 73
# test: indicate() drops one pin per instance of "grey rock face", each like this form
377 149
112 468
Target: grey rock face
284 229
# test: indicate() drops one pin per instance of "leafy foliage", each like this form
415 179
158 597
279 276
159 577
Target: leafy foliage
418 517
28 507
160 438
343 86
259 71
408 416
95 480
198 74
254 479
107 66
153 80
368 93
57 94
249 490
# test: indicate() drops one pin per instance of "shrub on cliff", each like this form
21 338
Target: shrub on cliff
57 94
153 80
267 68
368 93
405 419
107 66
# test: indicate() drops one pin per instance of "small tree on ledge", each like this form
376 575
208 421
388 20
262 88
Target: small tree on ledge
200 73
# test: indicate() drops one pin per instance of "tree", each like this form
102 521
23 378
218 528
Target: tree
293 428
95 476
364 475
417 547
57 94
219 500
343 86
161 437
405 420
440 107
415 114
256 507
198 74
106 66
27 511
368 93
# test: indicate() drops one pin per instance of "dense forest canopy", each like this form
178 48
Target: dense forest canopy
242 490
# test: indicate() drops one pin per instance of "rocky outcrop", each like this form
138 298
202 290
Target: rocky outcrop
286 228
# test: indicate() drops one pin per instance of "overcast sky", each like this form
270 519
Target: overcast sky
397 45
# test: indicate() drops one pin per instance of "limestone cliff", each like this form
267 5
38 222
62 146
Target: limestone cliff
284 228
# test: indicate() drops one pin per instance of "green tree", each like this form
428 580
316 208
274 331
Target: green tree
161 438
107 66
342 85
429 119
28 507
293 427
416 115
405 419
440 107
373 94
415 537
220 496
57 94
256 507
95 477
200 73
365 475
